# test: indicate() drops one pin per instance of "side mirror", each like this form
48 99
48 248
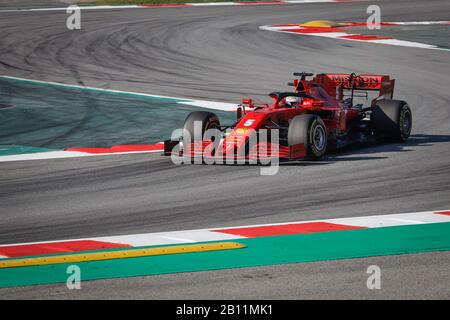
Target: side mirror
248 102
238 113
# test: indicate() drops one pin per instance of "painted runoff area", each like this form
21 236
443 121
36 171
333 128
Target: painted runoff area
47 120
260 245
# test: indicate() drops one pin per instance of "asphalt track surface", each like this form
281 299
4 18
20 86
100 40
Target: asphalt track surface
219 54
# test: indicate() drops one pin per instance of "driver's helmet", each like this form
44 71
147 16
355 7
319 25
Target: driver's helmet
292 101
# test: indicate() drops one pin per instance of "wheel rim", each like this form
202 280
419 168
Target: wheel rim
212 125
407 123
319 138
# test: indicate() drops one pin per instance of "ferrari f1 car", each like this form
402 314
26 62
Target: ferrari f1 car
320 114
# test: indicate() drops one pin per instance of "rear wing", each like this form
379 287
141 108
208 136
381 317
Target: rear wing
336 83
359 82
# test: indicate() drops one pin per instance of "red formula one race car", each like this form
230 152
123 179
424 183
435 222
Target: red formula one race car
320 114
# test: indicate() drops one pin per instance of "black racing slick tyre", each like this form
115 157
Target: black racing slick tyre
207 120
391 121
309 130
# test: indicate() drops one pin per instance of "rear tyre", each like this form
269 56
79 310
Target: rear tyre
391 121
309 130
208 120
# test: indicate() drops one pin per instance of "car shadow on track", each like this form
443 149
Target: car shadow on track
358 152
416 140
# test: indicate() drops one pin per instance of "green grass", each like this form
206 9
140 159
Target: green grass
122 2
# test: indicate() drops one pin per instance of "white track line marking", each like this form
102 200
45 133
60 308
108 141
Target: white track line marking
394 220
182 5
198 103
82 7
407 221
43 156
75 86
209 4
63 155
401 43
223 106
408 23
177 239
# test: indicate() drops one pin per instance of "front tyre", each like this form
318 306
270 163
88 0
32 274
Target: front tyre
207 120
391 121
309 130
